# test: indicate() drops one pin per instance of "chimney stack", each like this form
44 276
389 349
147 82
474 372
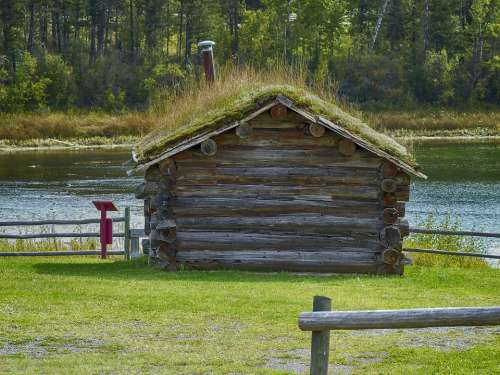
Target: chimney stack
208 59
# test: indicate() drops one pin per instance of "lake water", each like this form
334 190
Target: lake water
464 180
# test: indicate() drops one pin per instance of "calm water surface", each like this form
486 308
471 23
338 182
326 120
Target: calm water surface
464 180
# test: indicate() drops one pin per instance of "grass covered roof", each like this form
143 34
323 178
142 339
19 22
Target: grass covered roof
238 94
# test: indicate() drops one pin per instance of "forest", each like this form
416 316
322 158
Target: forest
115 55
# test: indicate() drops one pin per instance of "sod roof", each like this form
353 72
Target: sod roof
223 111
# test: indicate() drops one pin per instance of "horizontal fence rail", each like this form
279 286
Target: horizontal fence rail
131 236
56 222
58 253
54 235
457 253
406 318
455 233
321 321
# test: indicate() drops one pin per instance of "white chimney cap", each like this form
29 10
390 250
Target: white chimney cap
206 45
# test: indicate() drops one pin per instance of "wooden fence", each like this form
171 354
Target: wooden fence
322 320
131 237
453 233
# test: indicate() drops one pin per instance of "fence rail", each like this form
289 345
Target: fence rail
455 233
321 321
131 236
56 222
58 253
456 253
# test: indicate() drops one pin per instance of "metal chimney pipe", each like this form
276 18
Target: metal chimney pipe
208 59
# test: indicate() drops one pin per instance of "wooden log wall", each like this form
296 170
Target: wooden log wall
276 194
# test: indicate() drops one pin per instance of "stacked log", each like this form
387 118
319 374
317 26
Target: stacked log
276 194
395 189
159 219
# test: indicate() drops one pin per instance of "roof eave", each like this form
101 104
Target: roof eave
193 141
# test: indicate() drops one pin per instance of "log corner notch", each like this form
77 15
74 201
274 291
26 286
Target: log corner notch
394 187
160 221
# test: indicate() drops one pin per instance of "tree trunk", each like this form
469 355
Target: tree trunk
380 18
31 27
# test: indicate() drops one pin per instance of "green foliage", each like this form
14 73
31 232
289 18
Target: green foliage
61 89
25 89
124 54
444 242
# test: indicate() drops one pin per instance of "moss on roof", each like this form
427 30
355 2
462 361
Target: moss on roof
238 104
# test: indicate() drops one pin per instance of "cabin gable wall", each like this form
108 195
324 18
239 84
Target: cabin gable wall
276 197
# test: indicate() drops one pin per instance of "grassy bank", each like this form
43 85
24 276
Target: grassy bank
436 122
67 129
89 316
92 128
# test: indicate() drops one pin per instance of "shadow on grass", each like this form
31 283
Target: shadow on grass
139 270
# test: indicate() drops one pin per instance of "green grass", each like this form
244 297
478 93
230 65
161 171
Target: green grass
89 316
442 242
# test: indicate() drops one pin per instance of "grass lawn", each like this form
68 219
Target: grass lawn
89 316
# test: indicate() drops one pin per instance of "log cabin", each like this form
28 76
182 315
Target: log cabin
279 180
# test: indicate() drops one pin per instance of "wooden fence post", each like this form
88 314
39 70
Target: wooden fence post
127 233
134 247
320 342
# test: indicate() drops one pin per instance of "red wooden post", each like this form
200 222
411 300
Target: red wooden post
106 225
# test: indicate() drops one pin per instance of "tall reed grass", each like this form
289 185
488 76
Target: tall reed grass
443 242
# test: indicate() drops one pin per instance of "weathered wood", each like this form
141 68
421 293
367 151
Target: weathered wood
278 260
153 174
390 215
146 189
320 340
454 253
266 210
167 167
406 318
400 206
53 235
276 157
388 185
58 253
126 239
402 179
303 203
279 111
167 253
390 237
454 233
166 224
135 250
390 200
389 170
277 192
403 193
56 222
347 147
208 147
212 177
244 130
198 138
278 138
391 256
316 130
294 219
344 133
270 171
404 227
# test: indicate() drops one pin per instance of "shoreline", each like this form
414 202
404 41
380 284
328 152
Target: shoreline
68 146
